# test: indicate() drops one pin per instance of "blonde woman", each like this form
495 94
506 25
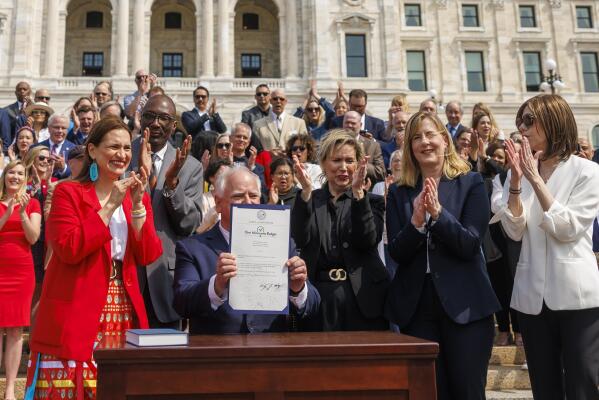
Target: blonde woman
437 216
20 217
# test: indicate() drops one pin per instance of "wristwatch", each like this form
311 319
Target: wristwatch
168 193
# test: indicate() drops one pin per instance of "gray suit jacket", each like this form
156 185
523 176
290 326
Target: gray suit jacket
175 219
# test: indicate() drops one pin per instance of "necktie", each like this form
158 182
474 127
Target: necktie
280 124
55 149
153 173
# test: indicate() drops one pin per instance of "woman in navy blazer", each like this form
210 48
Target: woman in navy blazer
437 216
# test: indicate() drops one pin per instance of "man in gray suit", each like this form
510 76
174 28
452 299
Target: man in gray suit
175 184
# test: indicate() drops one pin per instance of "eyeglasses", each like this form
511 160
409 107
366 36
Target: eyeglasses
38 112
43 158
297 148
200 96
278 99
223 146
314 109
46 98
283 174
102 94
149 117
262 94
140 77
527 119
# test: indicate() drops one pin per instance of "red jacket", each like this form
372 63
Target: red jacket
76 281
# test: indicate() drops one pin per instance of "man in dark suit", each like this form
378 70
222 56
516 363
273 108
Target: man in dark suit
12 111
454 113
175 184
204 267
259 111
376 165
358 99
58 125
202 118
244 153
86 122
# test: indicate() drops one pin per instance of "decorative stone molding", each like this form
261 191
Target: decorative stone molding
355 21
354 3
555 3
441 3
498 4
3 19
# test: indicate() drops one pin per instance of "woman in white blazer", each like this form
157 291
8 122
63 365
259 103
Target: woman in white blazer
550 202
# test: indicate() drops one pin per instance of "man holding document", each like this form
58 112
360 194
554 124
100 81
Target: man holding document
254 287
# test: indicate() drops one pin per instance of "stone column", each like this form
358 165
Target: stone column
223 38
207 47
51 38
391 46
292 23
122 35
139 58
321 22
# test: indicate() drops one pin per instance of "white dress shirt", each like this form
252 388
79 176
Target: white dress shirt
159 158
118 231
207 123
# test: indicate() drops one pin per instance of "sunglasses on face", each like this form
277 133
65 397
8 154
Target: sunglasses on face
527 119
223 146
315 109
149 117
297 148
278 99
200 96
138 78
38 112
262 94
46 98
43 158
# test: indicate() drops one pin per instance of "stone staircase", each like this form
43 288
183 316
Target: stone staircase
506 380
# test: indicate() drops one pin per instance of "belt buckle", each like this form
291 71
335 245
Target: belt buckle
337 274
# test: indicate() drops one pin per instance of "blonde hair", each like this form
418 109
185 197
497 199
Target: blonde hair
453 165
32 154
401 100
7 168
336 138
476 120
321 114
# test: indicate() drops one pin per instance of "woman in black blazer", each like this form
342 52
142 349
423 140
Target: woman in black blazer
437 216
337 229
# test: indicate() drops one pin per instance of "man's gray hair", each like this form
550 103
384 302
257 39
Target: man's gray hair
244 126
456 103
222 181
56 116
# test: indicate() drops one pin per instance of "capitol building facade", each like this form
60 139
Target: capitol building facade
493 51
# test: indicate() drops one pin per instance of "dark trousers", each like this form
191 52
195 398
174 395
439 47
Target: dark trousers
464 350
502 281
153 320
562 351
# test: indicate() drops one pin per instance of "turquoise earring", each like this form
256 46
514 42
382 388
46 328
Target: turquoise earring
93 171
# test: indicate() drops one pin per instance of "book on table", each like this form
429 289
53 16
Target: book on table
156 337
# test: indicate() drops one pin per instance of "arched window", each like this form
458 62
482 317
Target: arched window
94 19
172 20
595 137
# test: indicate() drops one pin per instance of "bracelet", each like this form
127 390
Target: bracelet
141 211
138 216
515 191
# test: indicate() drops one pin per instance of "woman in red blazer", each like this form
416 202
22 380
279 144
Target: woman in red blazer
100 228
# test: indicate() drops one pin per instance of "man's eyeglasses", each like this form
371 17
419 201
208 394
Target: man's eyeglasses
138 78
278 99
527 119
43 98
297 148
262 94
101 94
200 96
223 146
313 109
149 117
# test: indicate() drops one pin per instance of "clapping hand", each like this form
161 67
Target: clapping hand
419 213
273 195
302 177
138 187
205 159
145 150
23 200
513 157
359 179
252 158
431 198
529 163
171 176
212 108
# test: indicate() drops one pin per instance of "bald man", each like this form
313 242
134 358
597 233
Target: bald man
274 130
376 165
176 193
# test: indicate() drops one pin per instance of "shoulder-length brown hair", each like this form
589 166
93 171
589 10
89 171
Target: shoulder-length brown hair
95 137
453 165
554 116
305 140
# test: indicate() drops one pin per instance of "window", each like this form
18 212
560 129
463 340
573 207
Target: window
532 70
413 17
475 71
470 15
590 72
595 136
251 21
94 19
251 65
527 17
172 20
355 54
93 64
584 19
416 71
172 64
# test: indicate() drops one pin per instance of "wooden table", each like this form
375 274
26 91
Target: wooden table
335 365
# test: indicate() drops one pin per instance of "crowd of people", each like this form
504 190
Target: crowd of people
118 216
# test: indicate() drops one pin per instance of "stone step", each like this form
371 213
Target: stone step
507 355
507 377
19 387
509 394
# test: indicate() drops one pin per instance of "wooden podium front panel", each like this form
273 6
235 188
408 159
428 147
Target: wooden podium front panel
336 365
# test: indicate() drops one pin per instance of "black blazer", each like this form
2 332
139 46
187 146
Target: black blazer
194 124
456 260
363 231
